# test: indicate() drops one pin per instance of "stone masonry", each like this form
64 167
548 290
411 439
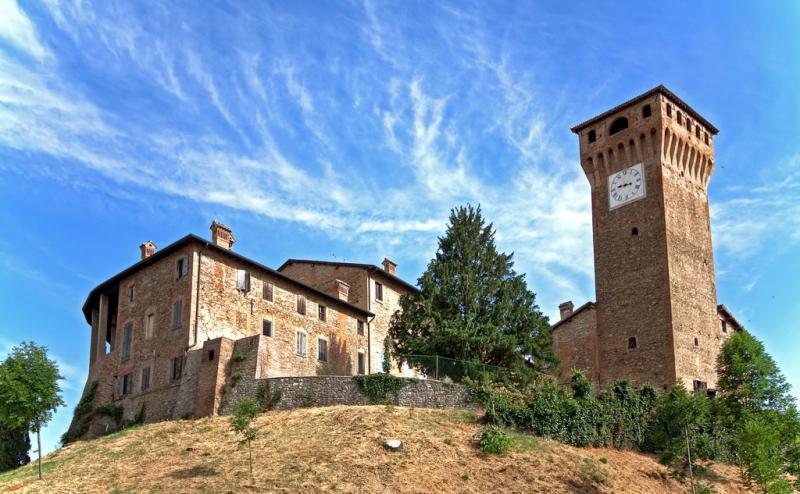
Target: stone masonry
175 332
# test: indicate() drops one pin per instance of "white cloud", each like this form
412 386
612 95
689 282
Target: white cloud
17 29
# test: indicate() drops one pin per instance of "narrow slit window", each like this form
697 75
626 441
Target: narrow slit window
635 231
301 304
632 343
269 289
181 268
266 327
177 369
130 294
669 111
378 291
145 384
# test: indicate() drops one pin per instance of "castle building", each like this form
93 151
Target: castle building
166 332
656 319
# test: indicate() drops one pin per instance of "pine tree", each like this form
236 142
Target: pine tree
14 447
472 306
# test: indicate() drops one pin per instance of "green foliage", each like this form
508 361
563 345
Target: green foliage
494 441
749 379
618 416
139 418
376 387
29 390
111 410
239 357
236 375
680 427
386 365
761 447
473 306
81 417
581 385
14 447
242 424
268 399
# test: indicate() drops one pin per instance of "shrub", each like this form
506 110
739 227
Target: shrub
494 441
268 399
376 387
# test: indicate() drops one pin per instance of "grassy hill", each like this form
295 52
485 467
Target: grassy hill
340 449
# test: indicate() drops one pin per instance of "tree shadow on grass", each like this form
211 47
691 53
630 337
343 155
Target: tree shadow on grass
198 471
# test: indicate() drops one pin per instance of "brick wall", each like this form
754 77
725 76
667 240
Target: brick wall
575 344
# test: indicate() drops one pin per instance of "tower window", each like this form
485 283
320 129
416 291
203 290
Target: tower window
617 125
592 135
635 231
646 111
632 343
696 342
680 118
724 326
706 139
669 111
697 131
210 355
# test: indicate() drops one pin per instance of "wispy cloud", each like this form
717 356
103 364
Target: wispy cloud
19 31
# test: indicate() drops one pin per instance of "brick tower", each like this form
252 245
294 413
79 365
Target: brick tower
649 161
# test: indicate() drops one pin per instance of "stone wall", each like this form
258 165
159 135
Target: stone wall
297 392
575 344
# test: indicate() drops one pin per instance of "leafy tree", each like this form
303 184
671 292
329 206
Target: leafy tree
29 391
749 379
473 306
761 448
678 430
14 447
242 423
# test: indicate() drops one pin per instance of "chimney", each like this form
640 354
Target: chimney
389 266
566 309
147 249
343 290
221 235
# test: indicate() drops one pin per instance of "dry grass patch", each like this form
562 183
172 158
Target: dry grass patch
339 449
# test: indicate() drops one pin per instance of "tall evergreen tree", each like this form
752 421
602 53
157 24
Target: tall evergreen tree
473 306
14 447
29 391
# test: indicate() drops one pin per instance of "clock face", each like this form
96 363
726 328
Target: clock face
626 186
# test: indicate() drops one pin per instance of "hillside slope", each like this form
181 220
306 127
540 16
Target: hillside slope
340 449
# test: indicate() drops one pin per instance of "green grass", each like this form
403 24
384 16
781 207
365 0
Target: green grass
525 442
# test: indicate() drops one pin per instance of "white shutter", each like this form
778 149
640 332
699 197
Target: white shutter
240 279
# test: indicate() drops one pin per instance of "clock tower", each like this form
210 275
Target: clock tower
649 162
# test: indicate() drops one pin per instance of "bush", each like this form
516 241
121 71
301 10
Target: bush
376 387
494 441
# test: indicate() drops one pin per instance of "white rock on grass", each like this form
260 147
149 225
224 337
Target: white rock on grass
393 444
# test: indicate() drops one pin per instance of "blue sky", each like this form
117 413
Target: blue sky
347 130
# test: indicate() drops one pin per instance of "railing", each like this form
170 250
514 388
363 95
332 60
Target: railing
448 369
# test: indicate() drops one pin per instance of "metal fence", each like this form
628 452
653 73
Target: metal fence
448 369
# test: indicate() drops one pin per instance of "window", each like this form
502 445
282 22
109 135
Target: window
669 111
696 342
149 326
145 379
360 326
210 355
182 267
697 131
646 111
592 135
680 118
127 338
361 363
632 343
301 343
724 326
323 313
706 138
378 291
127 385
266 328
269 288
322 349
177 313
699 386
130 294
635 231
618 125
301 304
177 369
243 280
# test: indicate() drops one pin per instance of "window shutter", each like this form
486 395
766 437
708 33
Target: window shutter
247 281
268 289
240 279
177 309
127 337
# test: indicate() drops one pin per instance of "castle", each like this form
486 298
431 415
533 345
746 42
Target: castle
656 318
167 331
174 330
